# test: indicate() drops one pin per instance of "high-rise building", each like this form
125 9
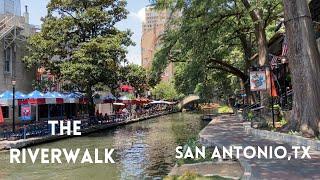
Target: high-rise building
10 7
153 27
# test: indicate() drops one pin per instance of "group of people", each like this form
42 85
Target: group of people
128 112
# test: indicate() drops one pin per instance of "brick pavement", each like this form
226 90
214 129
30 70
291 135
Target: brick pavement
229 130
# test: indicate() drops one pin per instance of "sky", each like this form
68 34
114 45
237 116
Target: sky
37 9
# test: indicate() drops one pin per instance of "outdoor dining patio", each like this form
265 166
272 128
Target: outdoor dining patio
34 110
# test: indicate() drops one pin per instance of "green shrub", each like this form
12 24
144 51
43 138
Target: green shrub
225 109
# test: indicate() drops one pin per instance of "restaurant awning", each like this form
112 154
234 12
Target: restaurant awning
54 98
7 96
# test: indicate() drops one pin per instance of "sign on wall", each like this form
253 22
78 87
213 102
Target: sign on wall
258 80
26 112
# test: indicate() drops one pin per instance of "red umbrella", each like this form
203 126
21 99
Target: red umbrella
142 100
126 88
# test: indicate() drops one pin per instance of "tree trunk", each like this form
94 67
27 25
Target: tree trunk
260 31
261 37
247 48
262 42
305 66
91 102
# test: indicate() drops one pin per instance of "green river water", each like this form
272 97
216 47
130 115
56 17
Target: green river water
142 150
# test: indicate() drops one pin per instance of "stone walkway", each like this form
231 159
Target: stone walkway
228 130
226 169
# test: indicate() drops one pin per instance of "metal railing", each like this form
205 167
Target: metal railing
256 108
39 129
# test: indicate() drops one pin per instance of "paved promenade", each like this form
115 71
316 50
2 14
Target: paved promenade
229 130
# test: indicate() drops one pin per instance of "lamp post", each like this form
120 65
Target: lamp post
13 104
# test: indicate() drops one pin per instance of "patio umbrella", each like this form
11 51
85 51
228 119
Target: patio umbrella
72 98
118 104
142 100
60 100
125 99
36 98
82 98
59 97
109 98
20 95
50 98
6 97
126 88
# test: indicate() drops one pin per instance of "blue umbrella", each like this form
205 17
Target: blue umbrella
35 95
73 95
49 95
20 95
58 95
9 95
109 97
6 95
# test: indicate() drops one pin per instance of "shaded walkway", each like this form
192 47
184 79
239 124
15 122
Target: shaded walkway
228 130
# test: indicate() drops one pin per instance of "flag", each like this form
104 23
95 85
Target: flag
274 61
285 47
273 87
1 116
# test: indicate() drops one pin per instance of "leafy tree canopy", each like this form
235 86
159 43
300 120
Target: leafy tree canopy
136 76
217 35
80 44
165 91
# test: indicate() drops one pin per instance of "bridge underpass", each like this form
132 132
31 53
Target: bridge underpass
187 100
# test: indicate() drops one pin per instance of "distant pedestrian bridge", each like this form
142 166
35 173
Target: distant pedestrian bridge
189 99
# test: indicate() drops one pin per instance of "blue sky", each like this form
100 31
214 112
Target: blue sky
133 22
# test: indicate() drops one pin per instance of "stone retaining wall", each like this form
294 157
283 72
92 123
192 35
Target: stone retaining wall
282 137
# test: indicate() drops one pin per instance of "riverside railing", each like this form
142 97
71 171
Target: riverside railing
39 129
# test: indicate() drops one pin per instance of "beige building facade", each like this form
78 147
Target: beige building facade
152 28
14 31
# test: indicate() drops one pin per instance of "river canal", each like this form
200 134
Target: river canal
143 149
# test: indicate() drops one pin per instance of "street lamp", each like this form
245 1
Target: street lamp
13 104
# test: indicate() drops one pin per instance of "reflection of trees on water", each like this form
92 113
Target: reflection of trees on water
142 149
128 142
148 148
187 126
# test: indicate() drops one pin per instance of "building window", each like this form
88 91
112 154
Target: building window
5 111
7 60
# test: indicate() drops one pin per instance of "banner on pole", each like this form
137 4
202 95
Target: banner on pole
258 81
26 112
1 116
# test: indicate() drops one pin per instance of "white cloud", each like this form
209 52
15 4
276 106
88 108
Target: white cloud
139 15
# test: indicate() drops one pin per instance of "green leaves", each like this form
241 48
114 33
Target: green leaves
165 91
211 40
136 76
80 43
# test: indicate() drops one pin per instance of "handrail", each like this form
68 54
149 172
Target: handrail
259 102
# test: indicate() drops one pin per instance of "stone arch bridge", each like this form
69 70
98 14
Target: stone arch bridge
187 100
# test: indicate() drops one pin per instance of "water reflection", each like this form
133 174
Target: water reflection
144 149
